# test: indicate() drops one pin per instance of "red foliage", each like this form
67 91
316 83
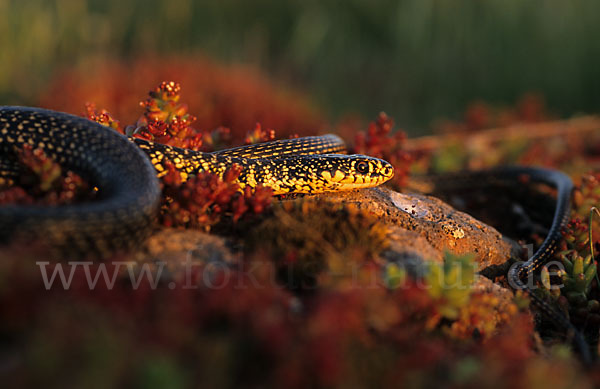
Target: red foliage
15 195
576 233
331 338
531 108
166 120
201 201
44 182
480 115
235 97
477 116
381 142
585 196
259 135
101 116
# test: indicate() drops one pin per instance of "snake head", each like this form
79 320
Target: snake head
344 172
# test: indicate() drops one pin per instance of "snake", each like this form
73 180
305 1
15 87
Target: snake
127 170
520 274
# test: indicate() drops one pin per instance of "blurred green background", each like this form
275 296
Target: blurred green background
418 60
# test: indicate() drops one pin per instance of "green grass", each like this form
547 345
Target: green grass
415 59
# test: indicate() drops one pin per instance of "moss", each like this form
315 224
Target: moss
306 237
452 283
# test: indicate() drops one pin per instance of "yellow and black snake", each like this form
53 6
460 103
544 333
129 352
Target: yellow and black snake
126 172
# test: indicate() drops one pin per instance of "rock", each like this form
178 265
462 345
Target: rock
180 248
409 250
433 221
504 305
485 285
420 228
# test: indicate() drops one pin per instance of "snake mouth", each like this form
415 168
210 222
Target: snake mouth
380 172
385 173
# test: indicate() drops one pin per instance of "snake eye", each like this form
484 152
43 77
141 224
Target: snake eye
362 167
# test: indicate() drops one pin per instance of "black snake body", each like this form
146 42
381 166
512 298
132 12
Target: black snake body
521 275
126 205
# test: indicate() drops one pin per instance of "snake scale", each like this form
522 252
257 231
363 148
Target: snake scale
126 171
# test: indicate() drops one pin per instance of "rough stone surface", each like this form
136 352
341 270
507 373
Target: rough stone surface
485 285
505 297
409 250
440 225
180 248
421 228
